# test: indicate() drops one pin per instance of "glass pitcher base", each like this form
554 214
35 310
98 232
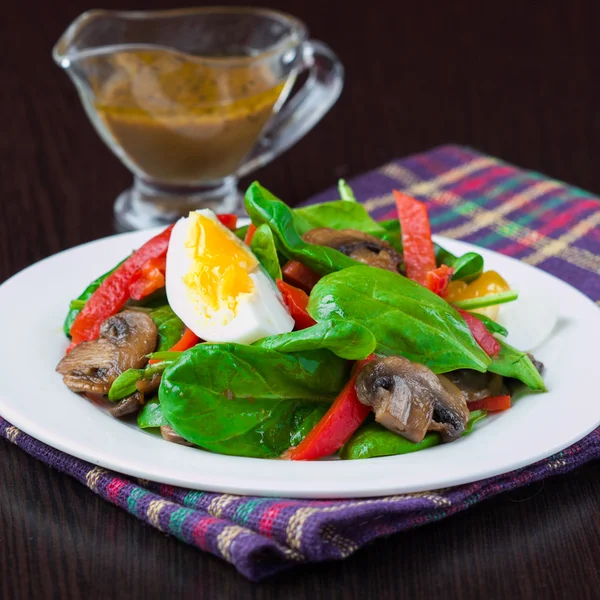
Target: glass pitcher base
147 205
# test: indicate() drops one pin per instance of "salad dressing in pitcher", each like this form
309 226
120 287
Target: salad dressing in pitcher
182 121
190 100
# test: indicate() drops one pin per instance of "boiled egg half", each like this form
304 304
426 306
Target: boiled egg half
216 285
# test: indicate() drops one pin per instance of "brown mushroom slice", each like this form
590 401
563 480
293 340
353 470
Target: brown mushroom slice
410 399
125 340
360 246
128 405
171 435
474 385
539 366
149 386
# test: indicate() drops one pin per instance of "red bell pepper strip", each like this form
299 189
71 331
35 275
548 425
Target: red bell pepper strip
419 254
337 425
149 278
249 234
113 292
438 280
230 221
489 344
299 275
296 300
491 403
188 340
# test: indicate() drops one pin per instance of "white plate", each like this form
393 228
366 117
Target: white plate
33 397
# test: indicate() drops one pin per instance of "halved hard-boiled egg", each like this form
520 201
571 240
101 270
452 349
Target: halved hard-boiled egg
216 285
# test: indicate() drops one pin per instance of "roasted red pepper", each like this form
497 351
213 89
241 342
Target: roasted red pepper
113 292
249 234
299 275
337 425
438 280
149 278
230 221
419 254
489 344
296 300
491 403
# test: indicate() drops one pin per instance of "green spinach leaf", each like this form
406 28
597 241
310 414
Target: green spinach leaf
151 415
339 214
170 327
342 214
467 267
241 400
263 207
240 232
391 225
264 248
511 362
346 338
405 317
305 419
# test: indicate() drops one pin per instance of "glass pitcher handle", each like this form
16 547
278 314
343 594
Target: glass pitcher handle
302 112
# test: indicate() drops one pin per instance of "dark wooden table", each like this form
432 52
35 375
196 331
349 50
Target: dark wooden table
519 80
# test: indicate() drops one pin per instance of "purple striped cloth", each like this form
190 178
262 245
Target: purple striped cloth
470 196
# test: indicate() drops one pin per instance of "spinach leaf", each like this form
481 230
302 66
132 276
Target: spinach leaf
125 384
263 207
170 327
511 362
342 214
405 317
263 246
345 191
467 267
151 415
241 400
345 338
241 232
490 324
391 225
305 419
372 439
339 214
84 297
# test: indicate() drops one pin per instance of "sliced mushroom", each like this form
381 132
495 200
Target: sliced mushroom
410 399
475 385
170 435
360 246
149 386
128 405
539 366
125 340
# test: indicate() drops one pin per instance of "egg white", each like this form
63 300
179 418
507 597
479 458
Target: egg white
530 319
258 314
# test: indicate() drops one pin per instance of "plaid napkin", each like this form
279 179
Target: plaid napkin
471 196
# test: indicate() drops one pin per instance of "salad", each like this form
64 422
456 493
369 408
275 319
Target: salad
311 332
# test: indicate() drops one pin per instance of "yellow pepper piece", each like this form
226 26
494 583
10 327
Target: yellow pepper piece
487 283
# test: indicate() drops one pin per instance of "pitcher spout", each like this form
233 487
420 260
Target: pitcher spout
87 34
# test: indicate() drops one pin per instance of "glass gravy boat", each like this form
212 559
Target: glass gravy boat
192 99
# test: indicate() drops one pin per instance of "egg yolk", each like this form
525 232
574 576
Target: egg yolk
221 266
